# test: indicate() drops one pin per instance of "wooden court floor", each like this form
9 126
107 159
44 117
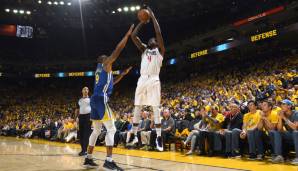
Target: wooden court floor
40 155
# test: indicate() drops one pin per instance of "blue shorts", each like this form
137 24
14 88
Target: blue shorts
100 110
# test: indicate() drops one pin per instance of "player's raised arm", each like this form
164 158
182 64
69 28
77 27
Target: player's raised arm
115 54
119 78
136 40
157 32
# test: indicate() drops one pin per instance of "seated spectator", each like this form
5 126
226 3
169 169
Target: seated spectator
143 126
201 125
167 129
287 127
145 135
231 129
267 124
212 137
250 126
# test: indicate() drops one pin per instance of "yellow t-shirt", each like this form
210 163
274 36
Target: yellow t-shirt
273 117
220 118
276 109
251 119
69 125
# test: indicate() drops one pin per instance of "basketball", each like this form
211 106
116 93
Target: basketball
143 15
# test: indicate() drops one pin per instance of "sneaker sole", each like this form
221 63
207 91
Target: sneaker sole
107 169
90 167
159 148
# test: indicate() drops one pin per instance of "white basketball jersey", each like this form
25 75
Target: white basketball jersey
151 62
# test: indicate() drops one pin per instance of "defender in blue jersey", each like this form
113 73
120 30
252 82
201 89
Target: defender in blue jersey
101 113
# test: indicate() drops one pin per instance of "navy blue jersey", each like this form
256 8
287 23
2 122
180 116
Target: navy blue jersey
103 82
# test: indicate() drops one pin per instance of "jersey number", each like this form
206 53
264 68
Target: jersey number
149 58
96 78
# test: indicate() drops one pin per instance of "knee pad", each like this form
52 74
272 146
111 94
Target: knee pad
111 130
95 133
156 112
137 114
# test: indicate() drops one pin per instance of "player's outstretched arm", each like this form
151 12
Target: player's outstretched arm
115 54
136 40
157 32
119 78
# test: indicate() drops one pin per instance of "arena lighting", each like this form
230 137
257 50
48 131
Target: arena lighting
125 9
49 2
56 3
132 8
28 12
138 7
61 74
69 3
119 9
221 47
39 2
7 10
172 61
61 3
15 11
21 11
113 12
89 74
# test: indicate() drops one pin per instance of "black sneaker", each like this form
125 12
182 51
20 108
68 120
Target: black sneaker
89 164
82 153
252 157
228 155
159 144
210 153
118 168
236 155
111 166
201 153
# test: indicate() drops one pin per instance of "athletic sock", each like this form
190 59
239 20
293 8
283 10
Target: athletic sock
158 132
135 130
109 159
89 156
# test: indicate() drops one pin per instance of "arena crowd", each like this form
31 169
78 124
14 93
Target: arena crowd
249 112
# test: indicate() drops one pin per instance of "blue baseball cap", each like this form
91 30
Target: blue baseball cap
287 102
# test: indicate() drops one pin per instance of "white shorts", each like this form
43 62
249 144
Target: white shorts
148 91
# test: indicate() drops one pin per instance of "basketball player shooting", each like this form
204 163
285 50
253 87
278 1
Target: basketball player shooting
101 113
148 90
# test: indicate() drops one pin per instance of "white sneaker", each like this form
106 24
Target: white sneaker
189 153
135 140
295 161
159 144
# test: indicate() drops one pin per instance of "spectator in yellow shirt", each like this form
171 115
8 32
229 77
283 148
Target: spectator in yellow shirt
268 122
250 125
214 122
